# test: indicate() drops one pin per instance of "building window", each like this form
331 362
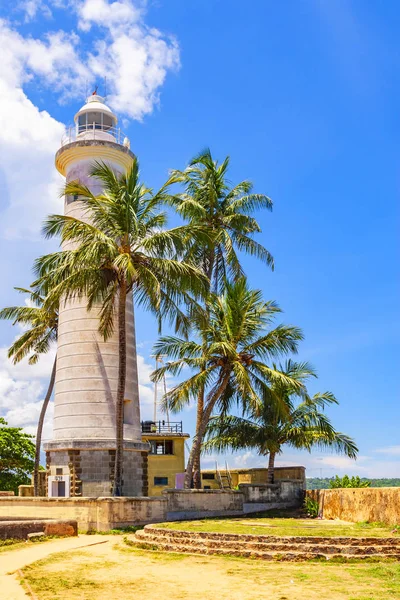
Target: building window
161 447
59 470
208 476
160 480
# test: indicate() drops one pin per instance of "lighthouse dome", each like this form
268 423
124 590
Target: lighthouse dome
95 118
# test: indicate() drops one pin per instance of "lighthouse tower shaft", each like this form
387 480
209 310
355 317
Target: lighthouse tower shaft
81 456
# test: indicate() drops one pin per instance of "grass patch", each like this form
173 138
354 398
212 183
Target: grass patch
118 531
14 544
261 525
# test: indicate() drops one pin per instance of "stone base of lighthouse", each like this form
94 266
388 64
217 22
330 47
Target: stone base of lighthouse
85 468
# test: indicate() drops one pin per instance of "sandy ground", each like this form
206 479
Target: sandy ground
10 562
114 571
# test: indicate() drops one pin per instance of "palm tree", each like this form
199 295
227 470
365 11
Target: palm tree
121 248
227 211
210 201
42 321
297 420
228 354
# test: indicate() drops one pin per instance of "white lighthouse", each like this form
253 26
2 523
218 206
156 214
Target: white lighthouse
81 456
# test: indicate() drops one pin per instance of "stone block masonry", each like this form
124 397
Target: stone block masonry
87 468
198 504
286 493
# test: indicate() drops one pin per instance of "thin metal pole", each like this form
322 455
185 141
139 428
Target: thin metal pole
155 398
165 393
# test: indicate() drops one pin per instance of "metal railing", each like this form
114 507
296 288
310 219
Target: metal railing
94 131
161 427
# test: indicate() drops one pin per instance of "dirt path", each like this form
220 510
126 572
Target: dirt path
11 561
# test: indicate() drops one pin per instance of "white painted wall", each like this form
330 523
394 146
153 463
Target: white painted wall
87 367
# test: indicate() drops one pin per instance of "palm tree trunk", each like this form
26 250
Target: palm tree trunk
119 409
196 469
198 439
40 429
196 462
271 463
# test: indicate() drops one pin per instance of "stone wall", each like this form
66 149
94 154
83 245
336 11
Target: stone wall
359 504
198 504
101 514
19 529
267 496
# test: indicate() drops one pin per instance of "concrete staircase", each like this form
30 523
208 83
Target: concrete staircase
267 547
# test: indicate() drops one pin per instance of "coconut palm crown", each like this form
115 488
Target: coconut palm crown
210 201
297 420
228 355
40 318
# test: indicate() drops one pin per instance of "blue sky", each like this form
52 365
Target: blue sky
303 96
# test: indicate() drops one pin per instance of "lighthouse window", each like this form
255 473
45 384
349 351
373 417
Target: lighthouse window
94 118
82 122
107 122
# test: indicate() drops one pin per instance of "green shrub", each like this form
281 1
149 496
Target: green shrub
348 482
312 507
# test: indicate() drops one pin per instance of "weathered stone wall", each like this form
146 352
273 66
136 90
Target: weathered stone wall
359 504
197 504
6 493
26 490
99 514
284 493
20 528
103 514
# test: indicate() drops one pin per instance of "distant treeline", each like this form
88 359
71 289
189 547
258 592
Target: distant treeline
322 483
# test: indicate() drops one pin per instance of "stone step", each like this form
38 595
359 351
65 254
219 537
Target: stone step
247 553
289 540
239 546
343 541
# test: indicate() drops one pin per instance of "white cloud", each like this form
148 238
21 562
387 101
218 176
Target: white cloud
29 137
392 450
31 8
134 57
136 60
23 387
101 12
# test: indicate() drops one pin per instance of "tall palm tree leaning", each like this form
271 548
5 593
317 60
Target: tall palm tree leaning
121 247
229 355
227 211
42 322
297 420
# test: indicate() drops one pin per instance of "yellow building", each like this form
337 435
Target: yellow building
213 479
167 454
